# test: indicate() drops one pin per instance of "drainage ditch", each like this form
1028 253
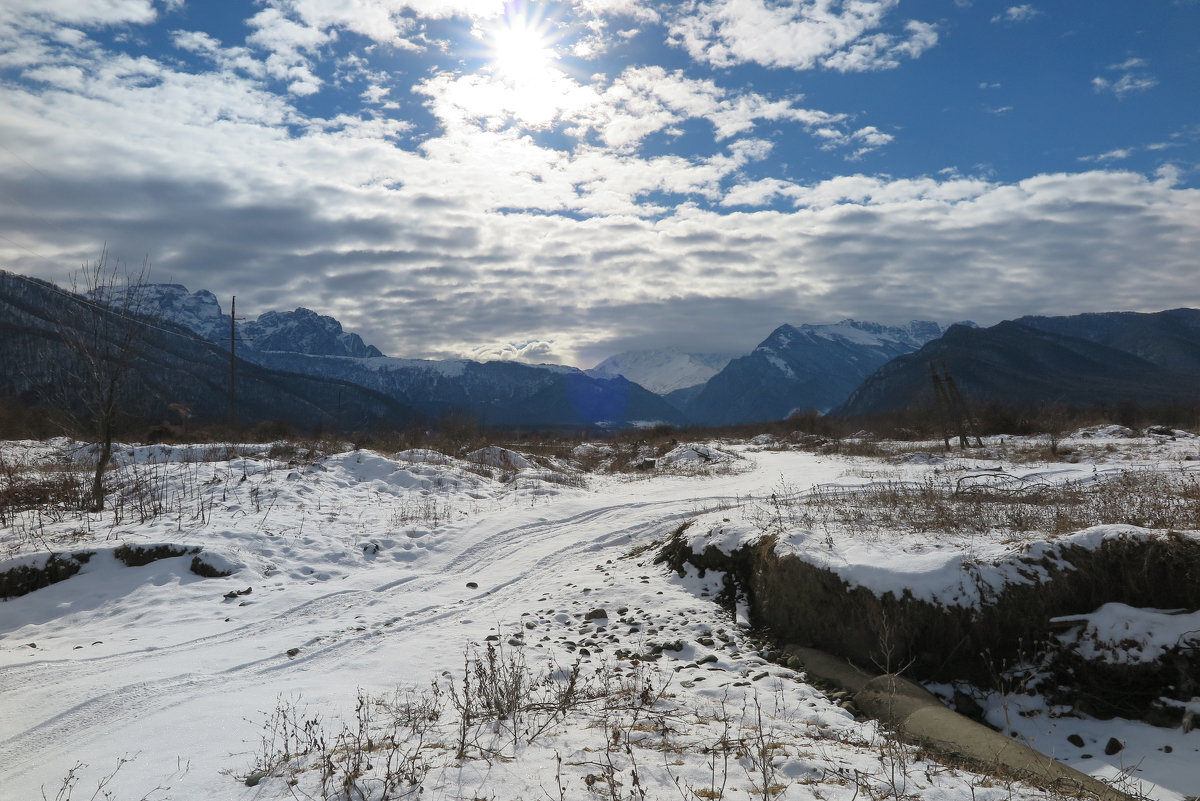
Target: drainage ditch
812 611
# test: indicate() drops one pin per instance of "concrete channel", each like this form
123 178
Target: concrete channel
919 717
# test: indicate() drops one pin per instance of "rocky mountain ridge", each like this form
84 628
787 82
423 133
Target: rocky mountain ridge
299 331
801 367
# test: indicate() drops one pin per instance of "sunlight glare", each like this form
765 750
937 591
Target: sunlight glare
523 60
522 52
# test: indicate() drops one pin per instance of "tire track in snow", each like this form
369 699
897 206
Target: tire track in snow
99 715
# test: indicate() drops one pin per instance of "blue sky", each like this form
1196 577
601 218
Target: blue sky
562 181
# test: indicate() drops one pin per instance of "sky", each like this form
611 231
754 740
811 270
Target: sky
561 181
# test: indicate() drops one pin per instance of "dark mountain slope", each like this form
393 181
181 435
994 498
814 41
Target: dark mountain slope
169 365
494 393
1016 365
1170 339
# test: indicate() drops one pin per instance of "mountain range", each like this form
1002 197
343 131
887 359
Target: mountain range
49 340
302 367
798 368
795 368
298 366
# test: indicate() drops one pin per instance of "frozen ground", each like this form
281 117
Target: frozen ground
370 582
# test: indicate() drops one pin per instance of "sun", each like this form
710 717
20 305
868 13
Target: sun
523 61
522 51
525 80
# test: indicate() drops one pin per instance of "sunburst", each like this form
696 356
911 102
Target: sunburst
523 59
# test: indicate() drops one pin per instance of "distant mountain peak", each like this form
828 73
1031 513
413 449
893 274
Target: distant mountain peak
867 334
803 367
662 370
299 331
304 331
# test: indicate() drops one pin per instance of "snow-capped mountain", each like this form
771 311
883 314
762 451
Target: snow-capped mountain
167 366
493 393
303 331
663 370
298 331
196 311
803 367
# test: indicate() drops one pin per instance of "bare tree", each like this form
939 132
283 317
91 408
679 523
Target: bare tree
104 334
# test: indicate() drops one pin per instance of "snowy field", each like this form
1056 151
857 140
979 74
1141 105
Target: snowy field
488 627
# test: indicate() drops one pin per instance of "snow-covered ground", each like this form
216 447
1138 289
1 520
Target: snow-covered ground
382 583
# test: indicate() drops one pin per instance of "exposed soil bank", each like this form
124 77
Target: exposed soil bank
803 604
23 576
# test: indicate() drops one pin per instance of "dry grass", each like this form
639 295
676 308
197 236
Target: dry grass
993 502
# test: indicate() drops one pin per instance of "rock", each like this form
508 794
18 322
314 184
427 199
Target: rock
1075 740
472 585
1113 746
596 614
292 652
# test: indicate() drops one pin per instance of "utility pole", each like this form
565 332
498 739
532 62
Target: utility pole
233 338
233 361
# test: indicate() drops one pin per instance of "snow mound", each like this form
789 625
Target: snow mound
1105 432
495 456
695 454
1166 432
1120 634
217 562
435 473
590 450
422 456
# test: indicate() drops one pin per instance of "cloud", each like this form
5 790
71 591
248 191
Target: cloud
533 352
801 34
1133 77
556 232
1013 14
610 120
457 246
77 12
1118 154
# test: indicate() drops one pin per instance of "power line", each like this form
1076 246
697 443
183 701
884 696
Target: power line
26 249
27 163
